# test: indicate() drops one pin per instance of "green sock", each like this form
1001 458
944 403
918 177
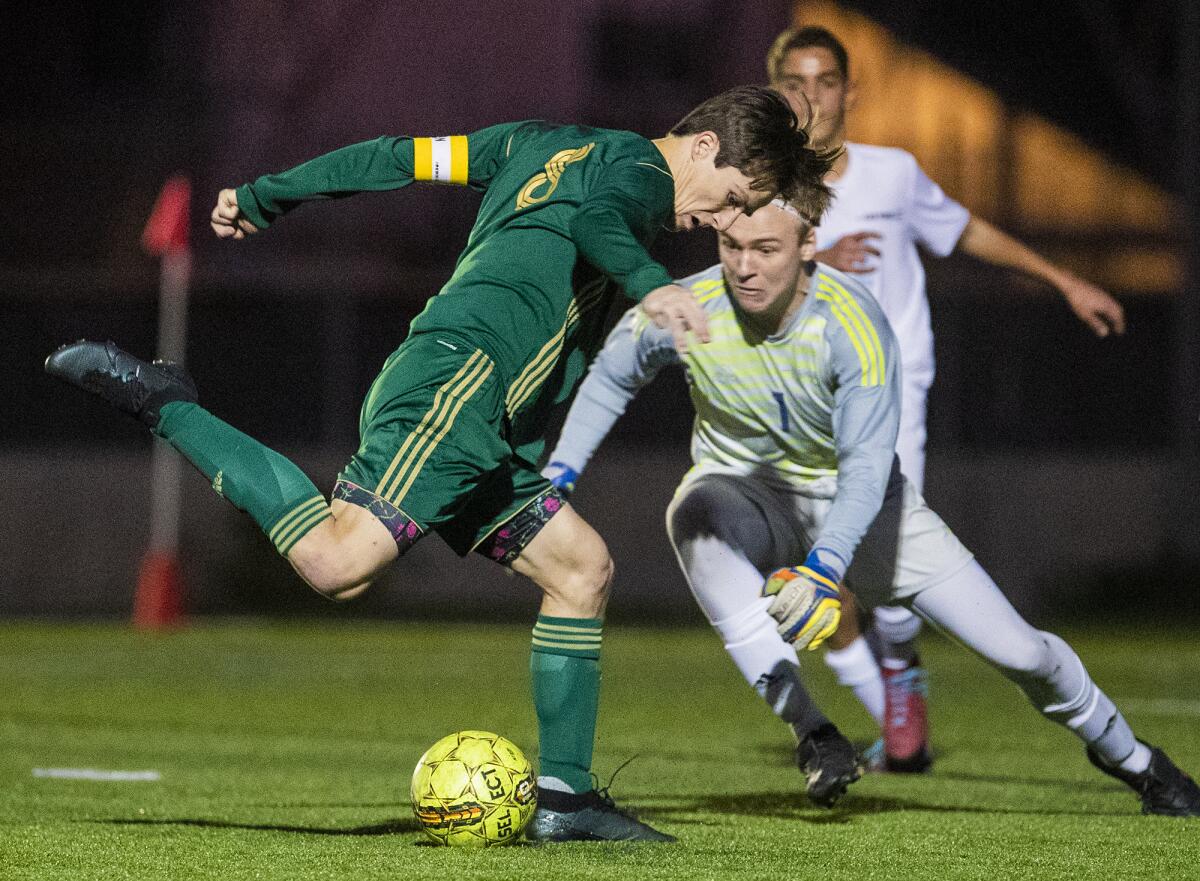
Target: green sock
255 479
564 667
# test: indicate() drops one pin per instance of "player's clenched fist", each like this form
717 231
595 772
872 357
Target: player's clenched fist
805 604
228 221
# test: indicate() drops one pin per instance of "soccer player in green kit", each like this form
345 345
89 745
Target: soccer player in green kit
451 430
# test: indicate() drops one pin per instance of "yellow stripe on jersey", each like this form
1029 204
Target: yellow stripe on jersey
858 328
856 308
531 378
442 160
865 360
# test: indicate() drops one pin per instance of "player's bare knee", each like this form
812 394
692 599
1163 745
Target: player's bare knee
342 556
330 573
329 566
586 586
582 587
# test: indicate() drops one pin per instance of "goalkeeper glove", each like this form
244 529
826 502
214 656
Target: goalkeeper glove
561 476
805 602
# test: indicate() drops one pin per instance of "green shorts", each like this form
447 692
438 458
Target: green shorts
434 454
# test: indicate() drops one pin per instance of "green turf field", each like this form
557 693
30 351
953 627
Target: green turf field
285 751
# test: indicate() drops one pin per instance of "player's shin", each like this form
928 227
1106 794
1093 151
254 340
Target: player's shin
969 607
1062 689
726 587
252 477
564 667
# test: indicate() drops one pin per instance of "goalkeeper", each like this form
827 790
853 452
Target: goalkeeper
454 423
797 410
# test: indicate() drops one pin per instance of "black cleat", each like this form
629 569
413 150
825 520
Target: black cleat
1163 788
830 764
589 816
130 384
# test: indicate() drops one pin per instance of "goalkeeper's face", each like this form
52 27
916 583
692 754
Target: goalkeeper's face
763 256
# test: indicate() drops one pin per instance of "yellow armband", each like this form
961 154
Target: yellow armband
441 160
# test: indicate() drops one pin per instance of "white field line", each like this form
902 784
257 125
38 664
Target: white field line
1166 706
95 774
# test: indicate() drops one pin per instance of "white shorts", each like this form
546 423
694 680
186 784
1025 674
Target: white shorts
907 549
910 441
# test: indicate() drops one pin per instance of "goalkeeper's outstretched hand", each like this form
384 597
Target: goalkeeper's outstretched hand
562 476
805 603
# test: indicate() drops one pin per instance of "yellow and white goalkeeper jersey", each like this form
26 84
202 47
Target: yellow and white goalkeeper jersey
814 408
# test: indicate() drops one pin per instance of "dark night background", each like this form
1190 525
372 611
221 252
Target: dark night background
1065 462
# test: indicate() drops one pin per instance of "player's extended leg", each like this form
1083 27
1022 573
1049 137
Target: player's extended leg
894 629
569 561
279 497
722 540
343 554
970 608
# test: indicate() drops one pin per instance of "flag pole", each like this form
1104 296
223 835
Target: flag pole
158 599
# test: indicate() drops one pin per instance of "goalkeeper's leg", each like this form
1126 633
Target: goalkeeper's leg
970 608
722 541
717 531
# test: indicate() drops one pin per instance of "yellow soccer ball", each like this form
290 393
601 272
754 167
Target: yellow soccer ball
473 789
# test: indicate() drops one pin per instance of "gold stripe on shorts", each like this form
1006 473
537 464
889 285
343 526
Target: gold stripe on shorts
482 372
417 432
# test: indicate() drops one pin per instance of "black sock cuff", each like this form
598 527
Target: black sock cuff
562 802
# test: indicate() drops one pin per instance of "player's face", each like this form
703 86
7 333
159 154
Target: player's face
763 259
810 78
712 196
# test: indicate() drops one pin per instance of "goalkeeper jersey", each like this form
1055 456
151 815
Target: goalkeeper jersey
814 408
567 215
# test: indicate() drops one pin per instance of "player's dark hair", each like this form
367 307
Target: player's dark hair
760 136
806 38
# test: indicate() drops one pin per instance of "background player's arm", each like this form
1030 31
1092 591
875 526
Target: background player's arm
386 163
632 356
942 225
1093 306
864 366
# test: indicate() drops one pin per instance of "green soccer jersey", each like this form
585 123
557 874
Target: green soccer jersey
567 215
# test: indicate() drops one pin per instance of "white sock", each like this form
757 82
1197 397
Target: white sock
554 783
856 668
1138 761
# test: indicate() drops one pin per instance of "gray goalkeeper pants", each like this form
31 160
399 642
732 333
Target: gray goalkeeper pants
728 532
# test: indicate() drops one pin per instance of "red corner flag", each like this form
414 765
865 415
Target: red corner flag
167 229
158 600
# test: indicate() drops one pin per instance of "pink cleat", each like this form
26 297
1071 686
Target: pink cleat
906 723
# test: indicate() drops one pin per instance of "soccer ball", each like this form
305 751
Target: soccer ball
473 789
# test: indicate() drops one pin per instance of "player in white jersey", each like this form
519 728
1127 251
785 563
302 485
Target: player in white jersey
797 400
884 206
